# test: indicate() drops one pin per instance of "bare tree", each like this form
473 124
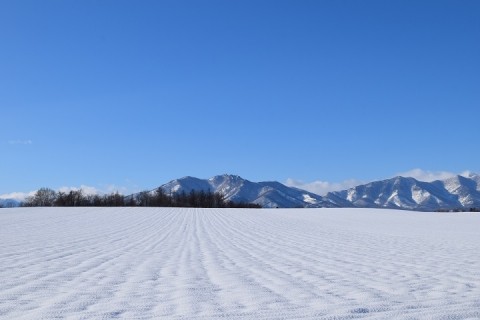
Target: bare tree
44 197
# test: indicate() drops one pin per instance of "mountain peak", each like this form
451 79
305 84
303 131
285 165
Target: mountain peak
227 176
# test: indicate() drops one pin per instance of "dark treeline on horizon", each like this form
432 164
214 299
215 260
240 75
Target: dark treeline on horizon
46 197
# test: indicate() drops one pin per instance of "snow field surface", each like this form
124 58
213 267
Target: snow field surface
174 263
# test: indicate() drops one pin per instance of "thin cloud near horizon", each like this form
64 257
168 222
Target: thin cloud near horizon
322 187
21 142
87 190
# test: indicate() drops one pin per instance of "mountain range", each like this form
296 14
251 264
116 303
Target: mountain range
458 192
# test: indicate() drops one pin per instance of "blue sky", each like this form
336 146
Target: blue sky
131 94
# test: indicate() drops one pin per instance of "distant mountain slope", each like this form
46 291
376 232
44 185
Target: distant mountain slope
409 193
267 194
9 203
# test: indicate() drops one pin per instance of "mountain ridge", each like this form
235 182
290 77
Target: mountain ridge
457 192
268 194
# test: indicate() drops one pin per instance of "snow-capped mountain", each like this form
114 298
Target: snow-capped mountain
267 194
409 193
466 189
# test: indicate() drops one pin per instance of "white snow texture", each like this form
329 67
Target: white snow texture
164 263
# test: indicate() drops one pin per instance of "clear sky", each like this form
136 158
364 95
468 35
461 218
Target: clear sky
136 93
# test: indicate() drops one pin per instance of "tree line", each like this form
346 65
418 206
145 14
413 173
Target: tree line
472 209
46 197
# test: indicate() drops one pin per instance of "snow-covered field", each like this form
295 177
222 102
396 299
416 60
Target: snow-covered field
89 263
